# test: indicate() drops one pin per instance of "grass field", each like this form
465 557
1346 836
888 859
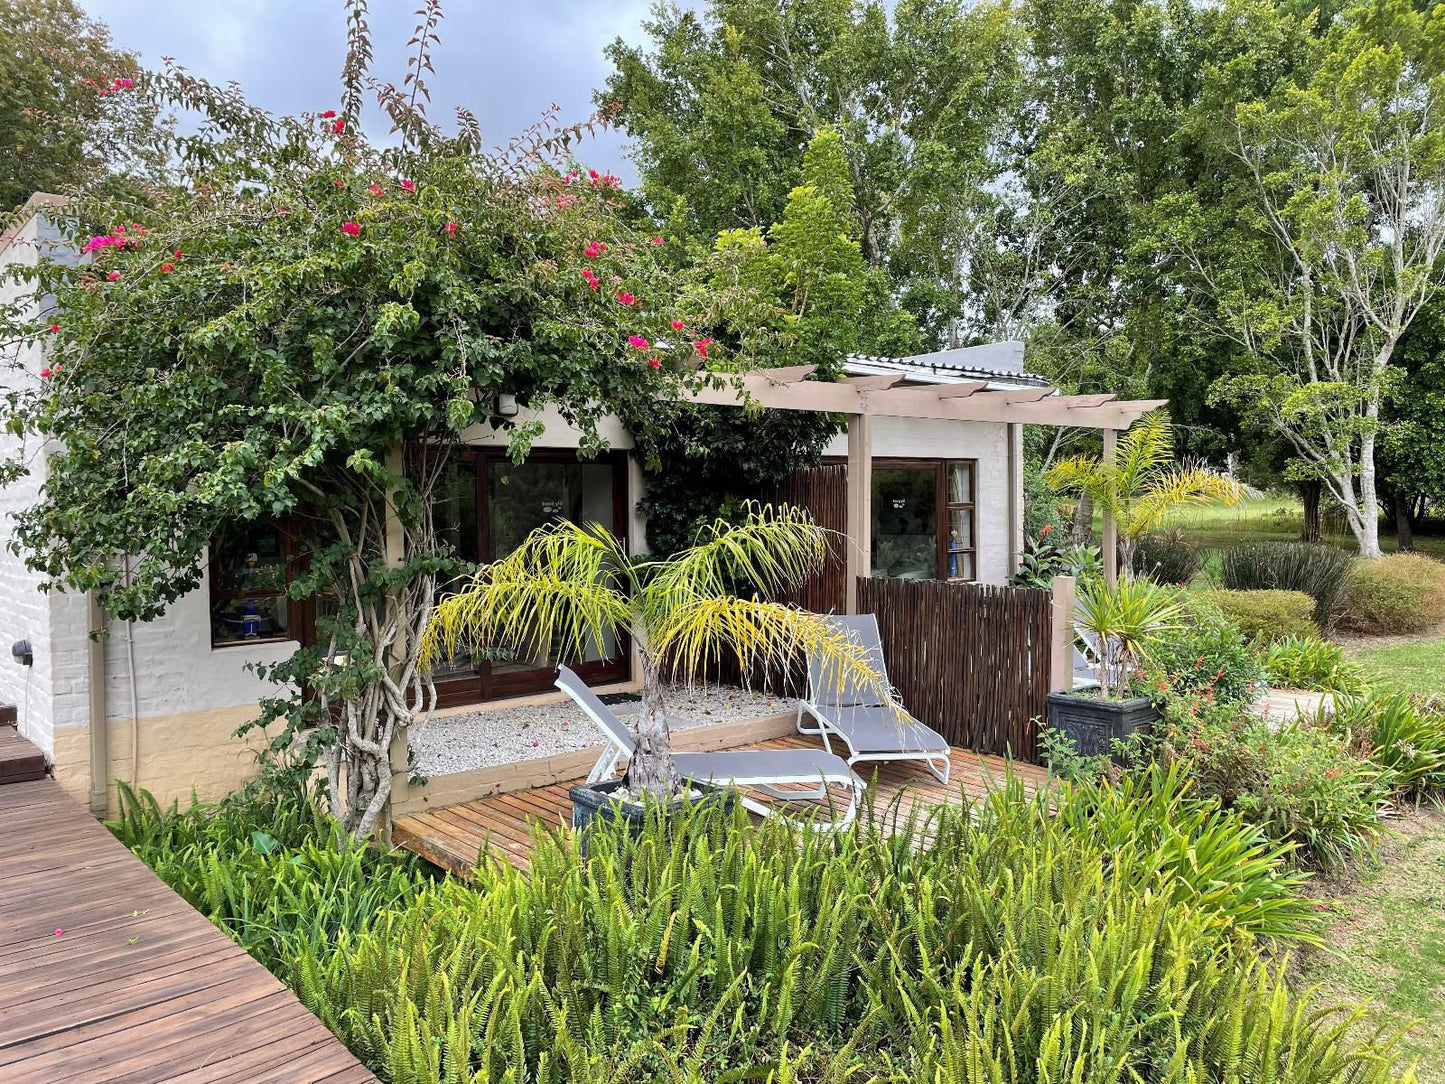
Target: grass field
1414 667
1388 940
1272 518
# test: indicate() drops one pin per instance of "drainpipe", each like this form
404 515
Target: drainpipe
99 751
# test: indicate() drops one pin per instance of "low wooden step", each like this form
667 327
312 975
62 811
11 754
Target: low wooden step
20 760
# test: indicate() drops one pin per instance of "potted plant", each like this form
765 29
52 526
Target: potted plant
570 588
1116 625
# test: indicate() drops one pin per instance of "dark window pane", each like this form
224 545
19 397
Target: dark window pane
905 523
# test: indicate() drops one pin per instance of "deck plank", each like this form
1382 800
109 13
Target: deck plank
138 986
504 824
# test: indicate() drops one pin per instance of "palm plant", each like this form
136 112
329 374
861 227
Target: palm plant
1143 484
1121 620
570 587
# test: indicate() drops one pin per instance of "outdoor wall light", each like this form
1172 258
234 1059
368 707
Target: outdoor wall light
20 651
506 404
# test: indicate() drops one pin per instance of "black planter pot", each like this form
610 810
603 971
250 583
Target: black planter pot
599 803
1093 723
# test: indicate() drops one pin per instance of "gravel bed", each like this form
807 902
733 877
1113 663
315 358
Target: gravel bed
502 735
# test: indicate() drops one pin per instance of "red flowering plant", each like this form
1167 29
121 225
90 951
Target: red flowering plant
287 330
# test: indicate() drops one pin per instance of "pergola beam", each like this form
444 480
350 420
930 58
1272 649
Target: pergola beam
765 389
874 383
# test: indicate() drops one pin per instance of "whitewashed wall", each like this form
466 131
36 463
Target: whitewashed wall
935 438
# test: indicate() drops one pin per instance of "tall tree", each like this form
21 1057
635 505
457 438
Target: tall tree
67 112
1342 208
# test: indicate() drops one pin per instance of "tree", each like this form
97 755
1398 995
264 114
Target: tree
570 587
300 328
67 112
1412 445
1143 484
814 301
1343 204
723 105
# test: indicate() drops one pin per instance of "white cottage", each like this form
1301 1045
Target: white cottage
934 449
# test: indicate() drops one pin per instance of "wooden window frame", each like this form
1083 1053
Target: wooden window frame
942 506
302 614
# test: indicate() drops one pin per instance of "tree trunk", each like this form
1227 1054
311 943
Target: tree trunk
1083 529
1404 524
1310 493
651 769
1368 531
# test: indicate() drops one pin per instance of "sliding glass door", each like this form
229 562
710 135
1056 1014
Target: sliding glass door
488 507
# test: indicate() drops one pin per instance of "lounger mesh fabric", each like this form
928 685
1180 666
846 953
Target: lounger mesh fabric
831 687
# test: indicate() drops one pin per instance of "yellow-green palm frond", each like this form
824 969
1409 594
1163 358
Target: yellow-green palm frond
1087 476
558 593
753 631
1188 485
773 548
1143 452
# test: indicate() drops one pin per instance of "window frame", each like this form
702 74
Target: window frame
942 506
301 629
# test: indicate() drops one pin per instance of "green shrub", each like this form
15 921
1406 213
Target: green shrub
1207 655
1404 592
1106 932
1300 784
1166 560
1266 616
1403 736
1300 662
1316 569
271 873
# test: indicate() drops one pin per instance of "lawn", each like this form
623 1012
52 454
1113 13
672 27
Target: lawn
1414 666
1273 518
1388 940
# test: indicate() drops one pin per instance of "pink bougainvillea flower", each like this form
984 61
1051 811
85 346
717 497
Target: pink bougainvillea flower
590 278
593 176
624 298
328 114
121 83
701 346
678 325
113 276
376 189
351 229
167 267
451 228
637 342
339 183
54 327
595 249
95 243
338 127
177 254
658 240
45 375
408 186
654 363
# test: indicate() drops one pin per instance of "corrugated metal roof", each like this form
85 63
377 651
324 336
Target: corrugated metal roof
940 372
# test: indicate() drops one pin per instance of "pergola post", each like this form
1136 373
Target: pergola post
1110 539
1015 495
858 557
1061 640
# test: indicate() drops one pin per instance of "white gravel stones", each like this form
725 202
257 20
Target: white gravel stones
504 735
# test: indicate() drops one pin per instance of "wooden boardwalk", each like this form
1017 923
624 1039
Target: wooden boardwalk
454 836
107 975
19 759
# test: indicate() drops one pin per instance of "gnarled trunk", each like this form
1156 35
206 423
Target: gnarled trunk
1404 524
651 769
1310 494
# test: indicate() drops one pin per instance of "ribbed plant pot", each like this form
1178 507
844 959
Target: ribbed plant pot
1093 724
600 803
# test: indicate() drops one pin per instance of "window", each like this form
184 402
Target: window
923 519
250 567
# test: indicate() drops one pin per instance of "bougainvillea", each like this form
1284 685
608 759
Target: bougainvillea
324 340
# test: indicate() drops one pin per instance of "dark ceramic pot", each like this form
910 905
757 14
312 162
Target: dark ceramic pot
1093 724
594 803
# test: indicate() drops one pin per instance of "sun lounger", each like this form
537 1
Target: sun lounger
862 719
767 770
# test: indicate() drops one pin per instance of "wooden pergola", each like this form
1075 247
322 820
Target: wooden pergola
863 398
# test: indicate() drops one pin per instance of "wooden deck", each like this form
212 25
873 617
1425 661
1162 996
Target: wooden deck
108 975
455 836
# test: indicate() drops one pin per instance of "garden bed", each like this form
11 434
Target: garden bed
505 735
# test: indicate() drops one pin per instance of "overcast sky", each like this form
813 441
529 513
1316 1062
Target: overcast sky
506 60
